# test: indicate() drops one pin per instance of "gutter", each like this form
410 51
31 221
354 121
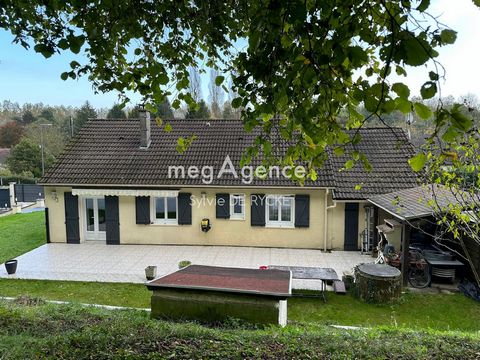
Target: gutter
180 186
325 228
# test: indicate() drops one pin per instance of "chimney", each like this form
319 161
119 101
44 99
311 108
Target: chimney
144 128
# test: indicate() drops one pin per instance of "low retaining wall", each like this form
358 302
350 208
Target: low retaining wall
217 306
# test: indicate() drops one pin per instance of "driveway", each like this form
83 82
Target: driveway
93 261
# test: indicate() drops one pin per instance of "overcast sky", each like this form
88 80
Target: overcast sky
27 77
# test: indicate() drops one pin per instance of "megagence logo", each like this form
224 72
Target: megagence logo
246 173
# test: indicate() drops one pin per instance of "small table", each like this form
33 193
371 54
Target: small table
310 273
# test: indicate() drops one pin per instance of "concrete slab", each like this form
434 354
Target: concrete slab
95 261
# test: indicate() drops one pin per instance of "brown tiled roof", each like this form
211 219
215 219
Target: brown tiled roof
418 202
107 152
388 151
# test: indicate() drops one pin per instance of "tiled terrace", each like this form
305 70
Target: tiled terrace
95 261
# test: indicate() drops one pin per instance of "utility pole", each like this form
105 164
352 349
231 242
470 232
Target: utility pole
43 146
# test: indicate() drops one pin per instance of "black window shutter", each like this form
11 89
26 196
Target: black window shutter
184 209
223 206
142 210
302 210
257 209
72 218
112 221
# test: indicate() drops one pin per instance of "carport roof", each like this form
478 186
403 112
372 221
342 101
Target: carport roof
415 203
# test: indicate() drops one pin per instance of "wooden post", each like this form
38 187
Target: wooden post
375 232
405 251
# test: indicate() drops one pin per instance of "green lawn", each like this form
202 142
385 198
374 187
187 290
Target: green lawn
72 332
415 311
21 233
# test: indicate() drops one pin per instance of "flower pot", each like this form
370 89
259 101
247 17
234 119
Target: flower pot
151 272
11 266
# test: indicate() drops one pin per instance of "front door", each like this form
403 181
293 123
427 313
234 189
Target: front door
351 227
95 224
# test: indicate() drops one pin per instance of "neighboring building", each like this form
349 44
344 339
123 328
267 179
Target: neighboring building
112 184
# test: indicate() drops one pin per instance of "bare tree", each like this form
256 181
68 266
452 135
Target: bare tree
216 95
195 87
470 100
228 111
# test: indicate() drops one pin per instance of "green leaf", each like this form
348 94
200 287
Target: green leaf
459 120
371 104
428 90
63 44
64 76
450 134
76 43
176 104
163 79
219 80
401 90
423 5
150 107
448 36
400 71
349 164
44 50
168 127
433 76
339 151
418 162
388 106
137 51
422 110
403 105
416 51
236 103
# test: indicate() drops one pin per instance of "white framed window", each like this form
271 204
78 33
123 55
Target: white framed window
237 206
280 211
165 210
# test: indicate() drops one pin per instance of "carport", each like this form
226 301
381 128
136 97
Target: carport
412 211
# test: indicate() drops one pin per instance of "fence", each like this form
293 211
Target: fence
4 198
28 192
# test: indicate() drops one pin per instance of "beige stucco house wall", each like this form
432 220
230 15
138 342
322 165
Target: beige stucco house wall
336 224
223 232
227 232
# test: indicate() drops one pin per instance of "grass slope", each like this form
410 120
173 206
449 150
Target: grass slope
415 311
21 233
72 332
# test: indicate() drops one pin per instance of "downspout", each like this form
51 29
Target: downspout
327 207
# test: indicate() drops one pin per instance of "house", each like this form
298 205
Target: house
124 182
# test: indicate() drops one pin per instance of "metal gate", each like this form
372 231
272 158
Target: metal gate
28 192
4 198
